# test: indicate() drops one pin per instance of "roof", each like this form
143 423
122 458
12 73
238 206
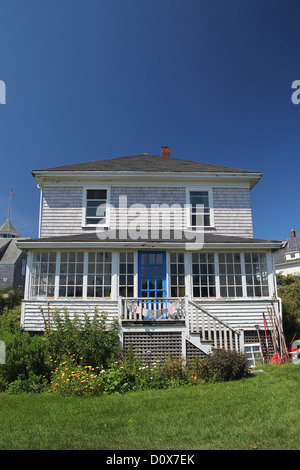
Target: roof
8 229
290 245
145 163
92 238
11 252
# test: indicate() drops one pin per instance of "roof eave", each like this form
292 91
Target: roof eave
43 176
190 246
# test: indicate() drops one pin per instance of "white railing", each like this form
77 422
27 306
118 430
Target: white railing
146 308
197 320
211 328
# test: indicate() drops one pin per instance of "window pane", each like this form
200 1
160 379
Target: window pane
43 274
177 274
256 275
96 194
230 274
126 279
203 263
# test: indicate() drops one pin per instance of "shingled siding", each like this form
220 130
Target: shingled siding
232 212
150 196
62 208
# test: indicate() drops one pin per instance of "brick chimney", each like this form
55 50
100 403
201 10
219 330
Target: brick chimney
293 233
165 152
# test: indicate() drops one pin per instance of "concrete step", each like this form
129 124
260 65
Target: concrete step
203 345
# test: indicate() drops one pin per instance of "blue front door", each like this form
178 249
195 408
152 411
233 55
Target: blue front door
152 274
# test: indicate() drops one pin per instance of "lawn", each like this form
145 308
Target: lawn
262 411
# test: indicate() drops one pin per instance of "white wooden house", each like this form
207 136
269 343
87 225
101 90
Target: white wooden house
164 244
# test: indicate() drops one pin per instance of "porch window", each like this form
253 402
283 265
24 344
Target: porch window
99 274
200 210
177 278
126 274
96 200
230 275
203 271
43 274
71 274
256 274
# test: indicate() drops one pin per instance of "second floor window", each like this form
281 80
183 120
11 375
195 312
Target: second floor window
200 210
96 200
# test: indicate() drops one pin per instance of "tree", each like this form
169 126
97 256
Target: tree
289 292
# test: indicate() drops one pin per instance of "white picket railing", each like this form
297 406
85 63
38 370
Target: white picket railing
146 308
197 320
211 328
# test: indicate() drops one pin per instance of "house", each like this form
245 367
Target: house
12 259
287 259
164 244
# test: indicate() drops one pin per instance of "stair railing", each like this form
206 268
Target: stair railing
212 328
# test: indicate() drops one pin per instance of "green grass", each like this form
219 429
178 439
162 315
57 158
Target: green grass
261 411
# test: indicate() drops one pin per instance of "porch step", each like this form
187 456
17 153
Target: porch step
202 344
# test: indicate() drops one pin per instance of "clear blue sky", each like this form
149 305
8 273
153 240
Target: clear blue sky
93 79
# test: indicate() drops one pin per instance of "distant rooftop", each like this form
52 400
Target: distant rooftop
290 245
7 230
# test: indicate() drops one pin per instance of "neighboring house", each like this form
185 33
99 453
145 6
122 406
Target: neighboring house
12 259
287 259
165 245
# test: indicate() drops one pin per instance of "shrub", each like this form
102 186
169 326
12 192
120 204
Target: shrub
91 342
9 299
32 384
10 320
223 366
25 358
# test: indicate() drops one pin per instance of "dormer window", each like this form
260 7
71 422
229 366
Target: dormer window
291 256
96 206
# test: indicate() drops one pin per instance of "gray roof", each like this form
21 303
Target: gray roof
146 163
92 237
10 252
289 246
8 229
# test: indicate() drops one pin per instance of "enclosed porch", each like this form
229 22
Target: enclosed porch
210 298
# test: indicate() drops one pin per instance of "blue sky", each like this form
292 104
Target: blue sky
93 79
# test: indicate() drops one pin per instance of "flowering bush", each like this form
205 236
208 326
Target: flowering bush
70 378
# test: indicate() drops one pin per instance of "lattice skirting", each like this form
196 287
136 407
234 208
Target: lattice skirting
152 345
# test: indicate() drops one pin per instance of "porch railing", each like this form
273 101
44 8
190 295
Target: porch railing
146 308
198 321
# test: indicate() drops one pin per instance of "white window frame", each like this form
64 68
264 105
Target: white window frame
210 204
177 274
253 285
84 205
69 274
103 273
234 275
133 262
207 286
253 355
32 277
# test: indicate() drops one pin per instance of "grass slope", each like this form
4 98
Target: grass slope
261 411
